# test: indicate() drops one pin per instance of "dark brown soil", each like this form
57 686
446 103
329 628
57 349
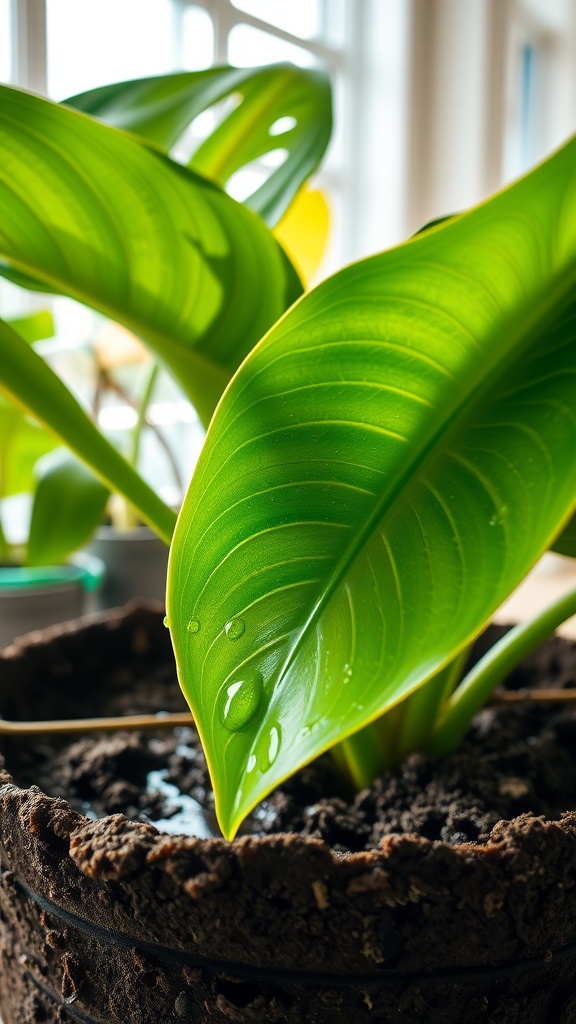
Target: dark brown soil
514 761
413 903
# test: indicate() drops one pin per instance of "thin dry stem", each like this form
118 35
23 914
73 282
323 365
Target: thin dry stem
172 720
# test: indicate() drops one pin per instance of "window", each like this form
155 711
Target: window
96 41
541 86
5 41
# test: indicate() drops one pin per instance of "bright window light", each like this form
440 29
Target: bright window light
299 17
197 39
5 42
248 47
249 178
99 41
283 125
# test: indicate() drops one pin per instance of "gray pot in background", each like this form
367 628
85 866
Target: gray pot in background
33 598
136 565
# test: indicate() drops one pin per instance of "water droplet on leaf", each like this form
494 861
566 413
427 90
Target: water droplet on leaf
274 743
166 622
193 626
271 746
241 700
234 628
250 764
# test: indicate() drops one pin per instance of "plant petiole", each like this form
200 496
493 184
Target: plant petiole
477 686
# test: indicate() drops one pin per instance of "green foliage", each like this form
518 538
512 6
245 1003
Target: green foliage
69 504
383 470
96 214
22 441
278 106
34 326
28 380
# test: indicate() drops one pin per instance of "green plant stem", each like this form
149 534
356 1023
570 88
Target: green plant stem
360 757
492 669
108 383
423 707
136 434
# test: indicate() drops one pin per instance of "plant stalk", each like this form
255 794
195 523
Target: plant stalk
136 434
478 685
424 705
360 757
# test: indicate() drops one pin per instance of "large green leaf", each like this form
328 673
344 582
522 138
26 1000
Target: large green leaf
22 441
29 381
383 470
160 109
69 503
102 217
34 326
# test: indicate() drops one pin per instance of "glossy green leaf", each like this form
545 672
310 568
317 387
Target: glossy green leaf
275 107
34 326
29 381
22 441
565 544
102 217
69 503
383 470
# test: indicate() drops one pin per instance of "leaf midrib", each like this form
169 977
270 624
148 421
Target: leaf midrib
556 298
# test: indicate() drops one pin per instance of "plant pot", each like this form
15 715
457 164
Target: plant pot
110 921
33 598
136 564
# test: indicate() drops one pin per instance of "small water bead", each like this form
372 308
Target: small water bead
500 516
274 743
193 626
250 764
269 748
234 629
347 673
242 699
166 621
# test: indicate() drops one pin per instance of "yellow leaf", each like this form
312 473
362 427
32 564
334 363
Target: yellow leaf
304 231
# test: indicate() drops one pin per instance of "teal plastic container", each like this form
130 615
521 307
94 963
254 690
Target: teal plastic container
36 597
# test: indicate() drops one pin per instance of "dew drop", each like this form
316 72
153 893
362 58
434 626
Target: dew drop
167 622
234 629
193 626
274 743
347 673
500 516
241 700
250 764
270 752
